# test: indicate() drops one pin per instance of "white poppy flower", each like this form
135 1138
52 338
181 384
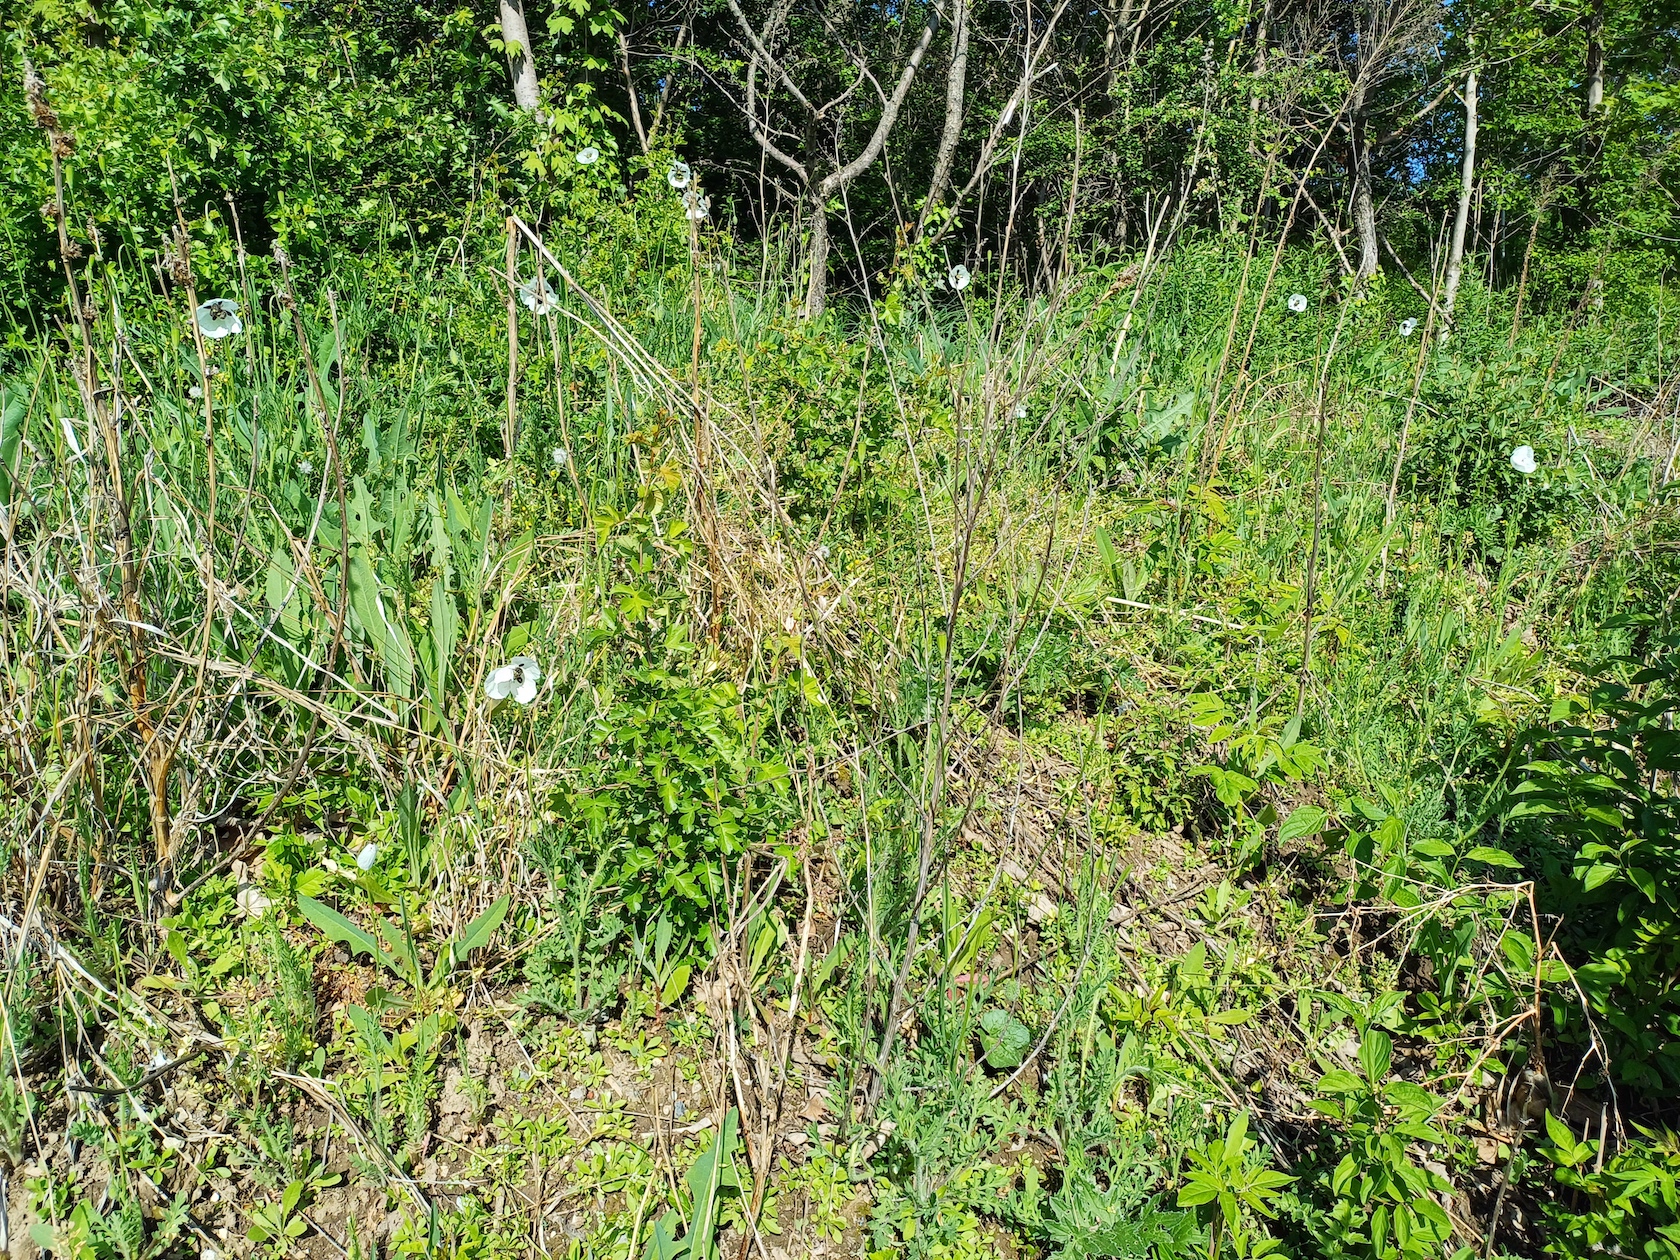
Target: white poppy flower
1020 411
219 317
1408 327
539 296
368 856
1522 459
588 156
305 467
517 680
959 277
560 457
251 901
1297 302
698 205
195 391
679 175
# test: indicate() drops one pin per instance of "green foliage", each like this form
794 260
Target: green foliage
712 1178
1596 802
1632 1202
1086 1221
1227 1175
121 1233
1377 1201
279 1224
395 948
317 123
676 787
294 995
660 962
840 427
1003 1039
374 140
16 1109
1460 458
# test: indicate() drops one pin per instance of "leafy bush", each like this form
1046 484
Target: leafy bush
1632 1203
1598 808
675 790
1469 423
1378 1201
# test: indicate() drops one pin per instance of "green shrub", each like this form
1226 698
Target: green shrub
1632 1203
1598 810
675 789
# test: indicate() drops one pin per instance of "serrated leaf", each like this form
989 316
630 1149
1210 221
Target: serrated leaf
1306 820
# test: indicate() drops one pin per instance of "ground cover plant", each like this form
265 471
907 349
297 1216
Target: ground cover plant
585 675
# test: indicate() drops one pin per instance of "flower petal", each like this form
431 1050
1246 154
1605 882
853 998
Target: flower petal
499 683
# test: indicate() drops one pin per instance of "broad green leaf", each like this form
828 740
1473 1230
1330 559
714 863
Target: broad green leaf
14 403
1105 549
712 1174
446 625
388 637
1560 1134
1598 875
1376 1052
1196 1191
1340 1081
340 929
1003 1038
1306 820
481 929
675 985
662 1245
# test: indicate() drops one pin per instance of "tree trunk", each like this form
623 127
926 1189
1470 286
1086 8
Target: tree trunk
1364 214
1261 34
955 87
521 65
816 288
1455 258
630 90
1117 24
1595 58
